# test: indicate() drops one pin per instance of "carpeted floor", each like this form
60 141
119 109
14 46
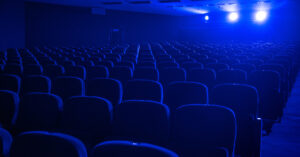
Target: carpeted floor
284 140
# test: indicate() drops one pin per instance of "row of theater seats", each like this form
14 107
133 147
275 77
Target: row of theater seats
246 89
49 144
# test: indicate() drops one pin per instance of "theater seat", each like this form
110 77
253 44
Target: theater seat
196 130
32 69
53 71
143 90
146 73
168 75
231 76
67 86
97 71
141 120
36 83
46 144
122 73
76 71
16 69
10 82
132 149
9 108
205 76
87 117
39 111
109 89
5 142
185 92
243 100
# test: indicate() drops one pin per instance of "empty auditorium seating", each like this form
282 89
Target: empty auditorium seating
128 148
41 143
10 82
122 73
168 75
243 100
5 142
271 101
97 71
156 92
87 117
76 71
205 76
9 108
147 73
38 111
196 130
32 69
141 120
36 83
185 92
67 86
217 66
53 71
13 68
109 89
231 76
143 90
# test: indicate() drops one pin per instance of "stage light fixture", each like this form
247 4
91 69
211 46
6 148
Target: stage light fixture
261 16
233 17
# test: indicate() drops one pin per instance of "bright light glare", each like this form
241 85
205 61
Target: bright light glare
233 17
261 16
206 17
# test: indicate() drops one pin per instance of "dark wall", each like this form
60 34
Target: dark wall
12 24
283 24
55 25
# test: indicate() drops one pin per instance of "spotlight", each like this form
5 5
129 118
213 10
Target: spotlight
232 17
261 16
206 17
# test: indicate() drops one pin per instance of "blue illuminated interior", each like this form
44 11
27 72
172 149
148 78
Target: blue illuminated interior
149 78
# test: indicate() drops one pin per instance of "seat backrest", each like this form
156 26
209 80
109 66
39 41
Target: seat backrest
231 76
81 113
132 149
10 82
110 89
5 142
186 92
97 71
265 80
41 143
191 65
146 73
122 73
9 107
244 66
141 120
67 86
168 75
76 71
16 69
32 69
53 71
39 111
217 66
205 76
241 98
161 65
143 90
196 127
36 83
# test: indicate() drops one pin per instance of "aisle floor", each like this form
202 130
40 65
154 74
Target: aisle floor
284 140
